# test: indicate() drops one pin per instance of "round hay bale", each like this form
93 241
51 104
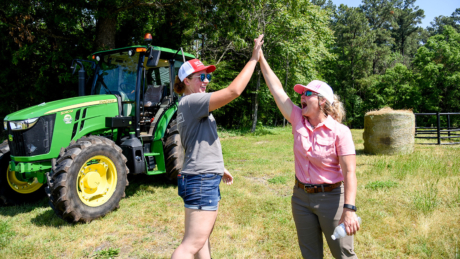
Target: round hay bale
389 132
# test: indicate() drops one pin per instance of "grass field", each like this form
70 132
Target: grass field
409 204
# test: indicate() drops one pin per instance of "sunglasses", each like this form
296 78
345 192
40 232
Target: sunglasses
309 93
204 76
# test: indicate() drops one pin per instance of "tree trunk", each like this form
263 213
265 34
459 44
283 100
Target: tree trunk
256 103
106 28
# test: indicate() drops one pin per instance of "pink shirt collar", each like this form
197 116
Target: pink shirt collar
329 123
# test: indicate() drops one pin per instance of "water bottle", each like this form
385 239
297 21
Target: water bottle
340 231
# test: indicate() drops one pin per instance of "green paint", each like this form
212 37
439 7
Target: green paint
65 106
151 154
164 121
94 121
26 172
157 146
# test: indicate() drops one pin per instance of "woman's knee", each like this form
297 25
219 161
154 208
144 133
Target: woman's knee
193 246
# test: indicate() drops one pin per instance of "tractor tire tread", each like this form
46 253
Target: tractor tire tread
173 151
63 199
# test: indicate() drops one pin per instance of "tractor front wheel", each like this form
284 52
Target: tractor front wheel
13 190
88 181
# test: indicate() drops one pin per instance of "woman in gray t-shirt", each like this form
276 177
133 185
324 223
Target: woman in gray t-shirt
203 168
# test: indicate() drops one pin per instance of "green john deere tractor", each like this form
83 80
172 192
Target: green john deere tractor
81 149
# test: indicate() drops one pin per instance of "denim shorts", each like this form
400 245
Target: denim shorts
199 191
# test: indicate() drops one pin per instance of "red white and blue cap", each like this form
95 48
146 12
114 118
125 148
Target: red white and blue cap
318 87
192 66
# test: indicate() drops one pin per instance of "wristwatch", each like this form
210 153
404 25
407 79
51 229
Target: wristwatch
349 206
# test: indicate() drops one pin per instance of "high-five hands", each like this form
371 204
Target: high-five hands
257 47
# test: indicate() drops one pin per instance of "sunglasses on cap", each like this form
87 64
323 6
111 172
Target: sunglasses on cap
204 76
309 93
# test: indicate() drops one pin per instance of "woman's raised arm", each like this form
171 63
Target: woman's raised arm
282 100
226 95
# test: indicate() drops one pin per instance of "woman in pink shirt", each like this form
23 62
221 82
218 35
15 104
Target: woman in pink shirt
325 163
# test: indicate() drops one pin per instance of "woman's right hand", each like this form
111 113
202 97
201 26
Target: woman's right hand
257 47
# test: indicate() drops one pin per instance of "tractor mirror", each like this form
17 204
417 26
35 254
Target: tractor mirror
73 67
154 57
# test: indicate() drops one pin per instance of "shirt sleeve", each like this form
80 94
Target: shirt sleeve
199 104
344 142
296 117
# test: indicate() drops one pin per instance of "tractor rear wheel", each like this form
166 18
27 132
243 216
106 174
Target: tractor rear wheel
13 190
173 151
88 181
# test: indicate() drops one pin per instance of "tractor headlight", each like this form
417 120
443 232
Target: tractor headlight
5 125
22 125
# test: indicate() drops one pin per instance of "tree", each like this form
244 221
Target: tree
437 26
438 64
379 14
355 50
407 16
40 39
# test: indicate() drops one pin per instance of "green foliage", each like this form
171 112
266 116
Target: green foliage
407 16
437 26
438 66
372 56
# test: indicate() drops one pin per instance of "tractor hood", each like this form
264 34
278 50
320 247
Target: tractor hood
60 106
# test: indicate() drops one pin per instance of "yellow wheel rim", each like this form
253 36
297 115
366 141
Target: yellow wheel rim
96 181
20 186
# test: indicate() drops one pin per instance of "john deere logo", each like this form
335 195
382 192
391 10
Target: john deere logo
67 119
10 137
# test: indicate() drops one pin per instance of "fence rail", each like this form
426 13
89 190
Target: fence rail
440 132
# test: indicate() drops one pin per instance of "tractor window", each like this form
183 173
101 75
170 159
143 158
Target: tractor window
159 76
117 75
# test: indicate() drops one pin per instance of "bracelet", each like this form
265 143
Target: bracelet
349 206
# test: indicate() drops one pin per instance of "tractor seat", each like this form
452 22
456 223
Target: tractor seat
152 96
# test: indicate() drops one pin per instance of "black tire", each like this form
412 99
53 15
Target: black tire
66 198
173 151
8 195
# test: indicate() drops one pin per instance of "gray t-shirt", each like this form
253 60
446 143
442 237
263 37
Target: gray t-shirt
198 133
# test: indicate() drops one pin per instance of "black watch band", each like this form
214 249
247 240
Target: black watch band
349 206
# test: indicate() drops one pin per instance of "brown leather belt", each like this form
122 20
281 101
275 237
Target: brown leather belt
315 188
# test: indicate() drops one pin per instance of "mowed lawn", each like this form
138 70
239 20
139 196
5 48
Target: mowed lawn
409 204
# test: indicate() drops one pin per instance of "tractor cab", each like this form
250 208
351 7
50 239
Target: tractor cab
142 78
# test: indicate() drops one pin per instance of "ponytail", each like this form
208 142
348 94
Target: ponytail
335 110
179 87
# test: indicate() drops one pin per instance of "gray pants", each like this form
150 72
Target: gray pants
317 213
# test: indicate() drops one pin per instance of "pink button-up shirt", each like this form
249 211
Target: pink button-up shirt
317 151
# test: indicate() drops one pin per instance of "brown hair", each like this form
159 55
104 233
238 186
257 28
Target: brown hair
336 110
179 87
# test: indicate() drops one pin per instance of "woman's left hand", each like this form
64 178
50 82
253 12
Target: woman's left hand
227 178
350 220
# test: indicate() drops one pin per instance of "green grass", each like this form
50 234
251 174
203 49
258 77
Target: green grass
409 205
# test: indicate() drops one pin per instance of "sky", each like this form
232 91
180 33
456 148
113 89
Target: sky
432 8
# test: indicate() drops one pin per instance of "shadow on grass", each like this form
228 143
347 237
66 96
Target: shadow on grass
157 181
362 152
49 219
13 210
